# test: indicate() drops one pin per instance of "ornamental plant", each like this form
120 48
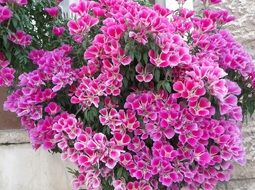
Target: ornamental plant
137 97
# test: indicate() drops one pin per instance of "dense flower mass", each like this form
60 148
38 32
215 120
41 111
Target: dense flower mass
153 101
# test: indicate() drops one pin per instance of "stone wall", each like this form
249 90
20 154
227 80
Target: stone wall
22 168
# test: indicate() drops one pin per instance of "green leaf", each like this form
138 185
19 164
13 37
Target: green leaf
145 57
132 75
167 86
138 56
119 173
125 82
159 85
251 105
157 75
6 44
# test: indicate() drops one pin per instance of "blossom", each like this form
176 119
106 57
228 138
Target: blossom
161 60
6 73
144 74
200 108
6 76
190 89
52 108
214 1
5 13
58 31
52 11
20 38
82 25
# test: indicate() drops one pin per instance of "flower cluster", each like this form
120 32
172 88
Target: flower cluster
153 104
20 38
17 2
6 73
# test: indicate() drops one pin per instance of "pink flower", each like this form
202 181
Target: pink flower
201 155
52 108
3 61
119 185
122 139
6 76
6 73
114 31
143 185
200 108
81 7
191 134
82 25
215 1
5 13
161 60
120 58
20 38
189 89
144 74
139 37
52 11
58 31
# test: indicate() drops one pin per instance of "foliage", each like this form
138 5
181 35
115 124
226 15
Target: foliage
137 97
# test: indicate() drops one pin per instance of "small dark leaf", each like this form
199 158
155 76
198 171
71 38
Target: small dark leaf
167 86
157 75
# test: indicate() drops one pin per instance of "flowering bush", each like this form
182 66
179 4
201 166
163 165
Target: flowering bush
136 97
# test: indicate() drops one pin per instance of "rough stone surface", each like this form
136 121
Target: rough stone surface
246 184
221 186
244 172
14 136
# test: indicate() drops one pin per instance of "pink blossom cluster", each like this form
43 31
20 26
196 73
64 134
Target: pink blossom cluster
58 31
165 112
5 13
20 38
17 2
6 73
52 11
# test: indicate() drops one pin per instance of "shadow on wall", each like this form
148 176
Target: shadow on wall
7 120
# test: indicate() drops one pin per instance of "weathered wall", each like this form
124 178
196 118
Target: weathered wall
22 168
7 120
